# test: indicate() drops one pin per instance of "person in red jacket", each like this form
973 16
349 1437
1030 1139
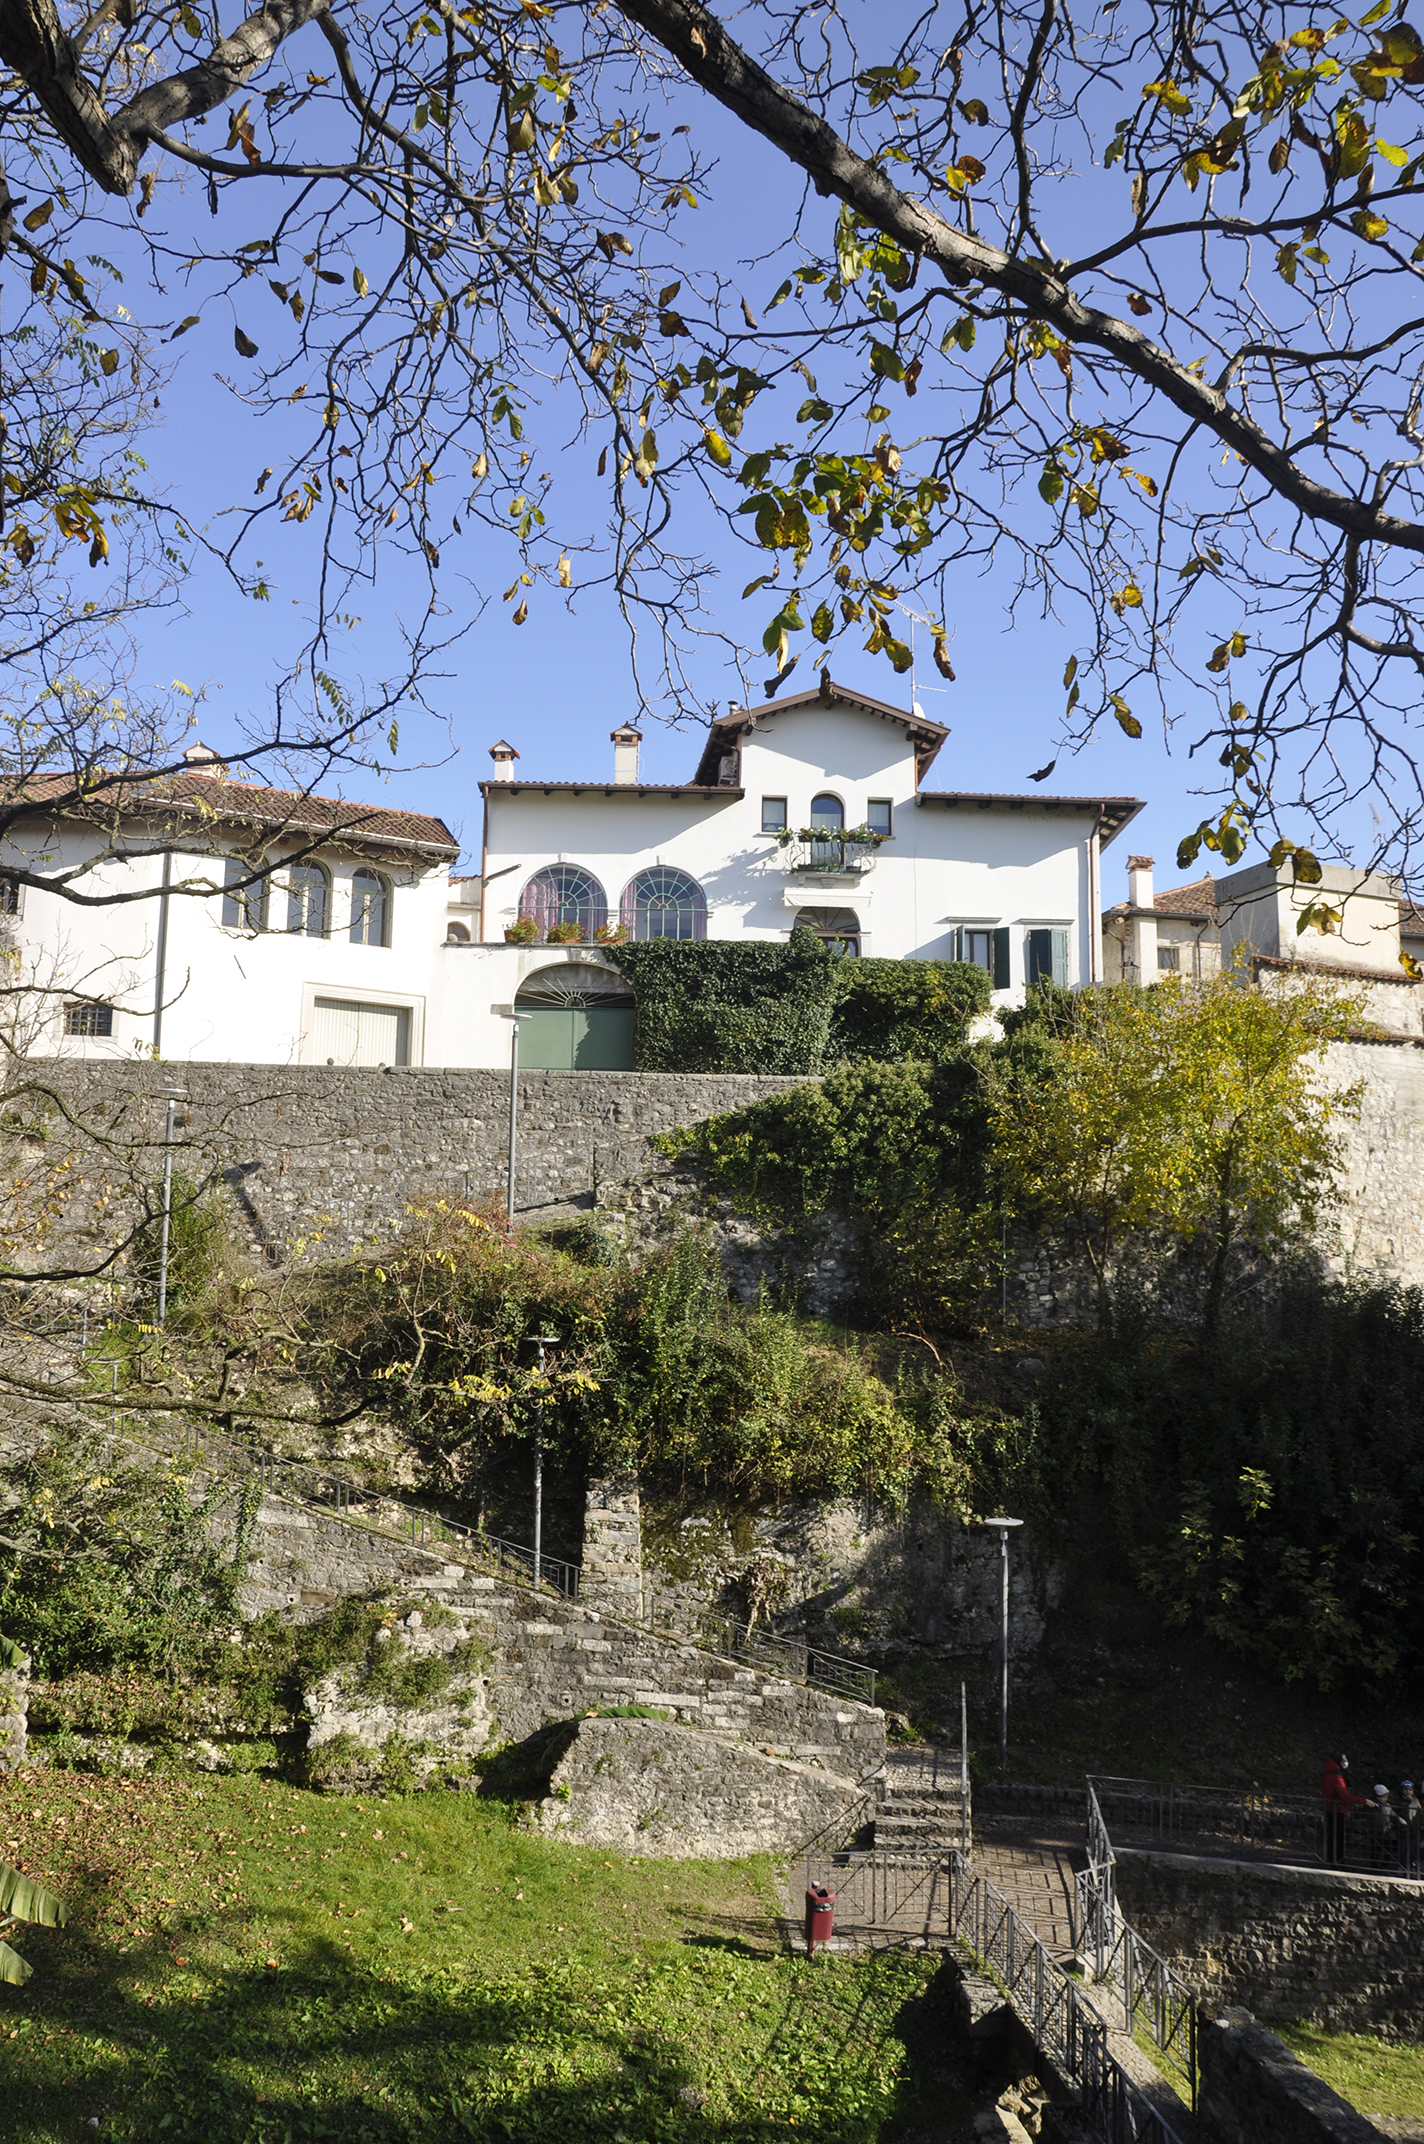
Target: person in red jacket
1339 1801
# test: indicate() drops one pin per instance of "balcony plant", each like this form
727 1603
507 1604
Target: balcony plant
612 934
850 837
523 932
568 933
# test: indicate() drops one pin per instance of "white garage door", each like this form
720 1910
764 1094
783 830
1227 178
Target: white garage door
345 1033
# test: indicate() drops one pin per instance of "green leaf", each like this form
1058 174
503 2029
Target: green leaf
823 623
885 363
1188 851
27 1901
1050 484
13 1969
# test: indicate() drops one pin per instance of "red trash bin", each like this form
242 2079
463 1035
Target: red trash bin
820 1916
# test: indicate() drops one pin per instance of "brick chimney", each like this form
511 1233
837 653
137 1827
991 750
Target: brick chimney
625 753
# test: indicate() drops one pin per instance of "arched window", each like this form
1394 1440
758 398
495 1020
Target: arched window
456 934
308 901
370 909
829 813
663 903
565 895
839 928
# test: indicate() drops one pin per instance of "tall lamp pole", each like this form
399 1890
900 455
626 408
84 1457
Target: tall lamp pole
1002 1527
507 1012
172 1096
541 1341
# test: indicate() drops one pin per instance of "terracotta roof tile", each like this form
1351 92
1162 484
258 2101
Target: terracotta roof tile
1197 899
245 804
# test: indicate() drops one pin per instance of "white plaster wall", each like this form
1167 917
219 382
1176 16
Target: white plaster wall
229 994
1023 866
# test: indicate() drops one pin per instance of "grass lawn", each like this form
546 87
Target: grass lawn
1377 2076
248 1961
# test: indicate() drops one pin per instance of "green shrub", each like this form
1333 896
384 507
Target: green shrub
889 1011
200 1255
112 1563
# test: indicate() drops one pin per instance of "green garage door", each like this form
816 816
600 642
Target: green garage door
584 1038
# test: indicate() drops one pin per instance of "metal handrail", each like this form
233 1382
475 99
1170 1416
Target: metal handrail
1155 1999
793 1658
943 1887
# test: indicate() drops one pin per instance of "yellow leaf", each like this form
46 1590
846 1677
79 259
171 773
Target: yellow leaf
359 283
1366 224
522 613
717 449
566 572
1132 596
39 217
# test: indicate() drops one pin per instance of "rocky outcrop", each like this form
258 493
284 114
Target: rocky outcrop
651 1787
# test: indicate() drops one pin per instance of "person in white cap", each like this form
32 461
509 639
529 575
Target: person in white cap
1382 1825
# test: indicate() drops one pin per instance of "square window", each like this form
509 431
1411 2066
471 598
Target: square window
773 815
877 815
88 1019
1170 957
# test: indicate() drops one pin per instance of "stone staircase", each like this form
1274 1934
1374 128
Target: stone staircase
922 1806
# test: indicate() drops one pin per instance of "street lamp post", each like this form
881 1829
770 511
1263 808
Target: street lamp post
1002 1527
541 1341
172 1096
507 1012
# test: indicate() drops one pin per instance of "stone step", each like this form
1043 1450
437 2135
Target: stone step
895 1831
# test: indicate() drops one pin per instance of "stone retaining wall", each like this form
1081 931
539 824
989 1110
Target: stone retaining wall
1318 1945
1253 2090
648 1787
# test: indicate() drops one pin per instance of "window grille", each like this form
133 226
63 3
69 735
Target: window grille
565 893
88 1019
664 903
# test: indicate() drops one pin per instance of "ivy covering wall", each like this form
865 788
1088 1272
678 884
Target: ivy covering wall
737 1006
726 1005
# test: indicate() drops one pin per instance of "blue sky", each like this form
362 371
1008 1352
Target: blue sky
556 686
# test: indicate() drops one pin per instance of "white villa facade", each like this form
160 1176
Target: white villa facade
812 811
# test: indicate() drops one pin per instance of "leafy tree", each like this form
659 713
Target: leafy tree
1118 302
1193 1112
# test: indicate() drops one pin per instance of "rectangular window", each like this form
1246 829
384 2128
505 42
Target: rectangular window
1046 957
877 815
977 947
244 908
88 1019
1170 957
773 815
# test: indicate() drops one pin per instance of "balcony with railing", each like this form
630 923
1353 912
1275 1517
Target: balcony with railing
817 852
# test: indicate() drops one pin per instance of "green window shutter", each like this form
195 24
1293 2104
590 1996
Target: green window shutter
1001 959
956 944
1060 958
1038 955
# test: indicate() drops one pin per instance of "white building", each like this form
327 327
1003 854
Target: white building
810 811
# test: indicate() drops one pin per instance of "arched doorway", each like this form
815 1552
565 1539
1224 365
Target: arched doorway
579 1019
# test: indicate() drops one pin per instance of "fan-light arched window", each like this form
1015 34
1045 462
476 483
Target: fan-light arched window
370 909
662 902
565 894
308 901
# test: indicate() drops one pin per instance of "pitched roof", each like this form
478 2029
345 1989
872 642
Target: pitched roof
1114 812
1197 899
209 797
1411 919
1195 903
926 736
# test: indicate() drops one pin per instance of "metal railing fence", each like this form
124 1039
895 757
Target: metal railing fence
1156 2001
910 1895
1267 1824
